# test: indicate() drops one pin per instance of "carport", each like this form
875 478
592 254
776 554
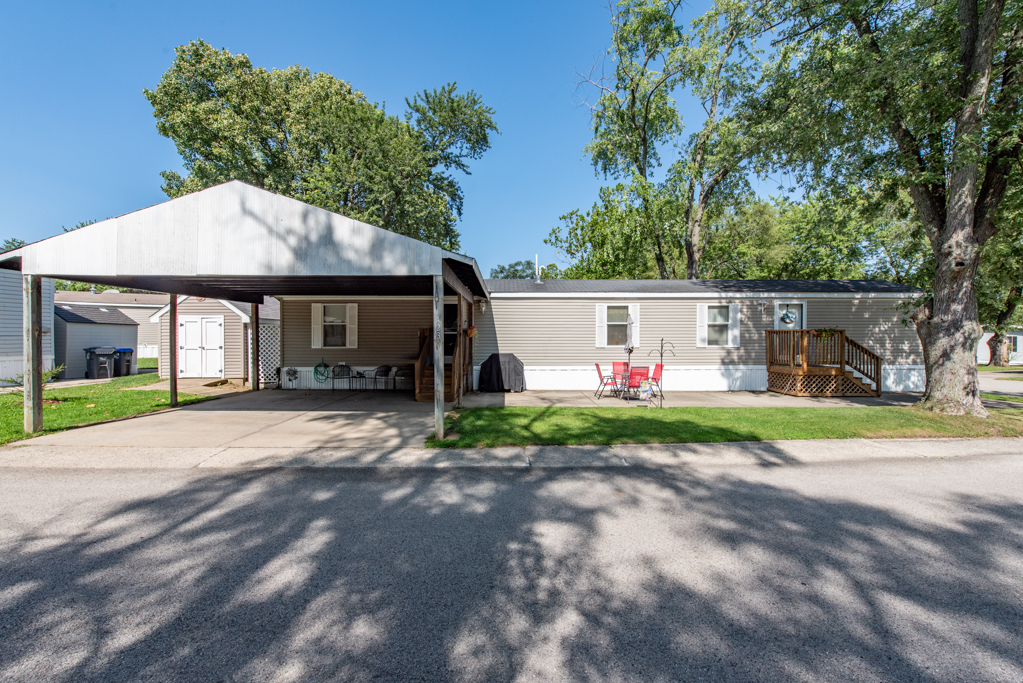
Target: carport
241 243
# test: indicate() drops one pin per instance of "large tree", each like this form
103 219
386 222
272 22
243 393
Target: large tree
313 137
1000 280
656 56
924 97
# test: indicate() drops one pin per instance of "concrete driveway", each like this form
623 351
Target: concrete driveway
262 419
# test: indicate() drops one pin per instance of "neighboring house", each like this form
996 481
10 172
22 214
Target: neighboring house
1015 339
12 327
138 307
78 327
560 328
215 339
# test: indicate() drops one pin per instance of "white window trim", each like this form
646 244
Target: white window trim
777 314
351 326
601 326
734 324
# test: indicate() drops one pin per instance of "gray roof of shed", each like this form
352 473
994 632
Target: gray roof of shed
91 315
698 286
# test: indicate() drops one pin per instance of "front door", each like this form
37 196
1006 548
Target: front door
790 317
201 346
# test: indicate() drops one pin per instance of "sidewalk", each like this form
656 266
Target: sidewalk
762 453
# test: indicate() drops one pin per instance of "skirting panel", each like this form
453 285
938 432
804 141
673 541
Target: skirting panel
10 369
903 378
696 378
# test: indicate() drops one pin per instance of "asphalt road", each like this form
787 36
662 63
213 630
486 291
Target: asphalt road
888 570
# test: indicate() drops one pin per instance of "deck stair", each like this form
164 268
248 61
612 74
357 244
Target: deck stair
424 371
821 363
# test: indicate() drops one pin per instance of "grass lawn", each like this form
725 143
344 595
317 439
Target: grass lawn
147 362
523 426
87 404
1002 397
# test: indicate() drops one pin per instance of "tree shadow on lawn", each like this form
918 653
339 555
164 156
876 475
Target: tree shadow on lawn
585 426
576 575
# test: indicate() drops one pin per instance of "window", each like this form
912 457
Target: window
613 325
335 327
1014 344
617 325
717 326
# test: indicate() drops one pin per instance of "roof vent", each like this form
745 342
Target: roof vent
66 308
111 291
539 271
104 310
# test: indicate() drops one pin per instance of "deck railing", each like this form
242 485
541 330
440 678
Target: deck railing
803 350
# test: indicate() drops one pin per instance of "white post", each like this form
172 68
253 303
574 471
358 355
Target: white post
172 348
254 360
438 355
32 316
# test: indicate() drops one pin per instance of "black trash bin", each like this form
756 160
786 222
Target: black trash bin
97 358
122 362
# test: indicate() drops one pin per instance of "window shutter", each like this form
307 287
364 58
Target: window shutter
601 326
317 330
701 325
353 326
634 312
733 325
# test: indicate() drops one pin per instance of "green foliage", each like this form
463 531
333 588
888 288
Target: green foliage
12 243
19 380
313 137
79 225
519 270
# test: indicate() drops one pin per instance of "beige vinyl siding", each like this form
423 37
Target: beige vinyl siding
875 323
388 332
234 335
149 333
561 332
80 336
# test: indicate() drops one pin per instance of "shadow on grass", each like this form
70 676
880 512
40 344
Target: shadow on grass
491 576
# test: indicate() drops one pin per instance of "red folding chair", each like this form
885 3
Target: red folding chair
621 375
604 381
636 376
655 379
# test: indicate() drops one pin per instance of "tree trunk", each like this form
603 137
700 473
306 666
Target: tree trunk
998 347
949 331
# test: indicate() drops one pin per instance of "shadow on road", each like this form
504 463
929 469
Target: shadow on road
575 575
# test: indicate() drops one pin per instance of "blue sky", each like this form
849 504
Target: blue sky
81 141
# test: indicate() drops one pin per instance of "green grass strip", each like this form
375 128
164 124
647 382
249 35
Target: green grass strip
525 426
147 362
1002 397
87 404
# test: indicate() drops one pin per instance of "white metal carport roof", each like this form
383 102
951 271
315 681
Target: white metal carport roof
239 242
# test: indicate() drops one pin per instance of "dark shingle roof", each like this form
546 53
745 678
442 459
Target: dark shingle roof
92 314
106 297
270 309
698 286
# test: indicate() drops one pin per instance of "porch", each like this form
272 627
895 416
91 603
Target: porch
821 363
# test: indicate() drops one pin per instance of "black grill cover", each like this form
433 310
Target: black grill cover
502 372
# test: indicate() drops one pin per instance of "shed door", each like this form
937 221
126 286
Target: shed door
190 347
201 346
213 347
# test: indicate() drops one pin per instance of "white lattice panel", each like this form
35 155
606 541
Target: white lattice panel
269 352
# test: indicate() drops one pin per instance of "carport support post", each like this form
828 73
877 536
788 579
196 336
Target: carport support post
438 355
254 359
172 350
32 316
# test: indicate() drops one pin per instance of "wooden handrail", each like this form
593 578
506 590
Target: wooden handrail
804 349
421 359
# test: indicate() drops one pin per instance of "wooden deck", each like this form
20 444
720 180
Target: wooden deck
811 363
